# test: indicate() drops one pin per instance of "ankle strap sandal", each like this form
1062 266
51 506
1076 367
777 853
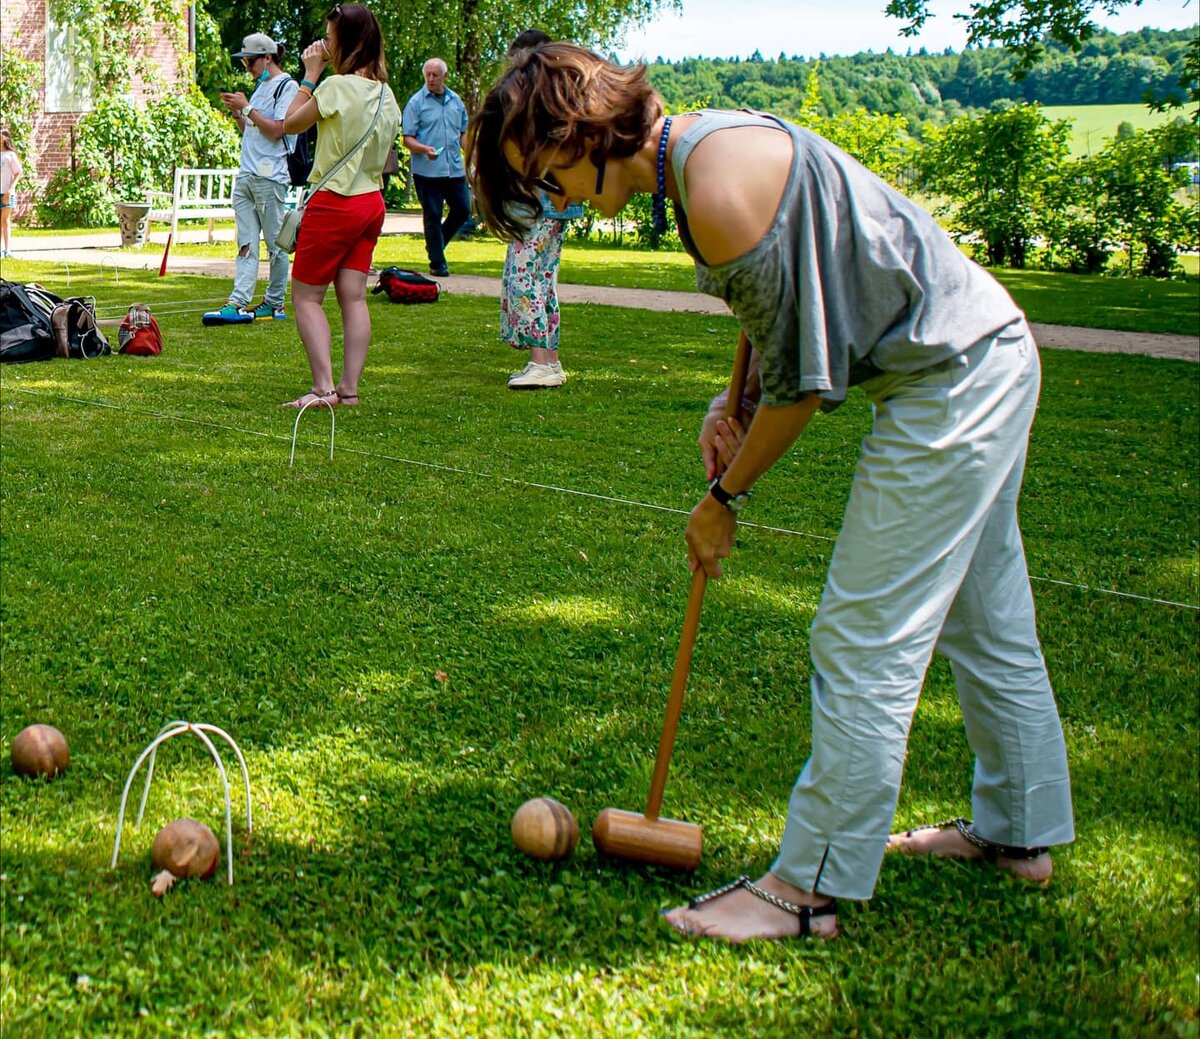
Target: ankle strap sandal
991 850
803 913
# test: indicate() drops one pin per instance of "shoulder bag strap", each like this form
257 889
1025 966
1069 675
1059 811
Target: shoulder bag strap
279 90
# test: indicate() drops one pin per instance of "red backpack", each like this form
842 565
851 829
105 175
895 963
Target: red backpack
404 286
139 333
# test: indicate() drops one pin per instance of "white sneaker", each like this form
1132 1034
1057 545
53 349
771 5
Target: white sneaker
538 377
524 371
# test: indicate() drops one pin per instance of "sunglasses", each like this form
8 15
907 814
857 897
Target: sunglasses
548 183
336 12
249 62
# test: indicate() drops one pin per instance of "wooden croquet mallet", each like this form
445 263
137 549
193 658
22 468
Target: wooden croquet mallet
646 837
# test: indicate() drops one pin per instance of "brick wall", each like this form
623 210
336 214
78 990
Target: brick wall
23 29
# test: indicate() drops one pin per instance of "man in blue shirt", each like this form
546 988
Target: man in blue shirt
435 120
262 181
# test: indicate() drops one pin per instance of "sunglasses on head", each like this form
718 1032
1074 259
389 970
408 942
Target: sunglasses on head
334 13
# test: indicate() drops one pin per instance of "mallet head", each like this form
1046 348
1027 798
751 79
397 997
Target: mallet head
659 842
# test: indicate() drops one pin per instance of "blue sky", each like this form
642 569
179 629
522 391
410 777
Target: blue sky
808 28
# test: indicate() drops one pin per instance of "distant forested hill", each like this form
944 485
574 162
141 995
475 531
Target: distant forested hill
923 87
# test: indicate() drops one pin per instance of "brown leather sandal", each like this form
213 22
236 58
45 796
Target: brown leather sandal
331 399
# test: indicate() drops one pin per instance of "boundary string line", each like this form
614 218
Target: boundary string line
515 481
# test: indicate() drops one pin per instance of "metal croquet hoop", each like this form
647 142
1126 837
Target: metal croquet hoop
296 425
165 733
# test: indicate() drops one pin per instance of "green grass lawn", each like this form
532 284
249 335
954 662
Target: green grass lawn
1128 304
477 602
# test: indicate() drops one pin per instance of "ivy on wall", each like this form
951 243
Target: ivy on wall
19 81
118 37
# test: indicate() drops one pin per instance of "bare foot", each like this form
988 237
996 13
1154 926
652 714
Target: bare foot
949 843
741 916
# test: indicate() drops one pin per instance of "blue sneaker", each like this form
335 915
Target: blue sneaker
265 312
227 315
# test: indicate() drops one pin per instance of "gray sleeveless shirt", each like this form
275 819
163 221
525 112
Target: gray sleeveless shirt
851 279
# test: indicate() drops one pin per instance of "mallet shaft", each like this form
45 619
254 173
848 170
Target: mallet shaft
691 617
647 838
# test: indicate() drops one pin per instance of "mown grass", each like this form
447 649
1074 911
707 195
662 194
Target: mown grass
412 639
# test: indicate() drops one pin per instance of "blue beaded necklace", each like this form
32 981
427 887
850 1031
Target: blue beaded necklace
659 205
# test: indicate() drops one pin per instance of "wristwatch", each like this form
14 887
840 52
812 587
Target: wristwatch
246 111
733 502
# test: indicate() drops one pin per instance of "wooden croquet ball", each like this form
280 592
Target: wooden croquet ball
39 750
186 848
544 829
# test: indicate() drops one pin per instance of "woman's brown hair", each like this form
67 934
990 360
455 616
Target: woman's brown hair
554 101
357 43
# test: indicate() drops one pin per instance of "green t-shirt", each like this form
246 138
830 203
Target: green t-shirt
347 105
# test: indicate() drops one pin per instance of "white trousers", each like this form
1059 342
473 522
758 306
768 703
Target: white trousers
930 557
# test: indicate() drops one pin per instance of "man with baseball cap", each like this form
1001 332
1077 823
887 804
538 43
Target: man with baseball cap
262 180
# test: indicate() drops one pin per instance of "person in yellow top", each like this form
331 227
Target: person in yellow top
343 219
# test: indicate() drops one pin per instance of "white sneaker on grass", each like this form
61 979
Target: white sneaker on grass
536 376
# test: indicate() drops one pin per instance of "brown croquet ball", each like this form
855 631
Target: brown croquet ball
39 750
545 829
186 848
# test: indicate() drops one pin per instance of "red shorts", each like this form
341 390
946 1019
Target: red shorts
337 231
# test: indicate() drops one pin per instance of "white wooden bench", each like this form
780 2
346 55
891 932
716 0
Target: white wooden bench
205 194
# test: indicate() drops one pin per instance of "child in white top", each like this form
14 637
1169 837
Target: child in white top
10 172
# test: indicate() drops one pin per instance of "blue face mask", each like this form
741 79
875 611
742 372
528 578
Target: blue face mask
262 79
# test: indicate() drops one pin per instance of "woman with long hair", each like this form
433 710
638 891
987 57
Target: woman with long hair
343 220
10 172
838 281
529 315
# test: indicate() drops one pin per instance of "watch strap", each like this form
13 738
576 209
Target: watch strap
733 502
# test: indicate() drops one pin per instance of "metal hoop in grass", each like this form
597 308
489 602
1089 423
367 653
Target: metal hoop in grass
296 425
168 731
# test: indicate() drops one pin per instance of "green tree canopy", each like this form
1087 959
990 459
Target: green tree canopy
471 35
994 171
1023 27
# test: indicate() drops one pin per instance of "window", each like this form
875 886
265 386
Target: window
68 70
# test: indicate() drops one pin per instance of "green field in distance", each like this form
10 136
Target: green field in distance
1095 125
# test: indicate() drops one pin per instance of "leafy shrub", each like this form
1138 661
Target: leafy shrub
123 151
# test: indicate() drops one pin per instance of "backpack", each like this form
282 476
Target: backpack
139 334
404 286
37 325
300 157
25 333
